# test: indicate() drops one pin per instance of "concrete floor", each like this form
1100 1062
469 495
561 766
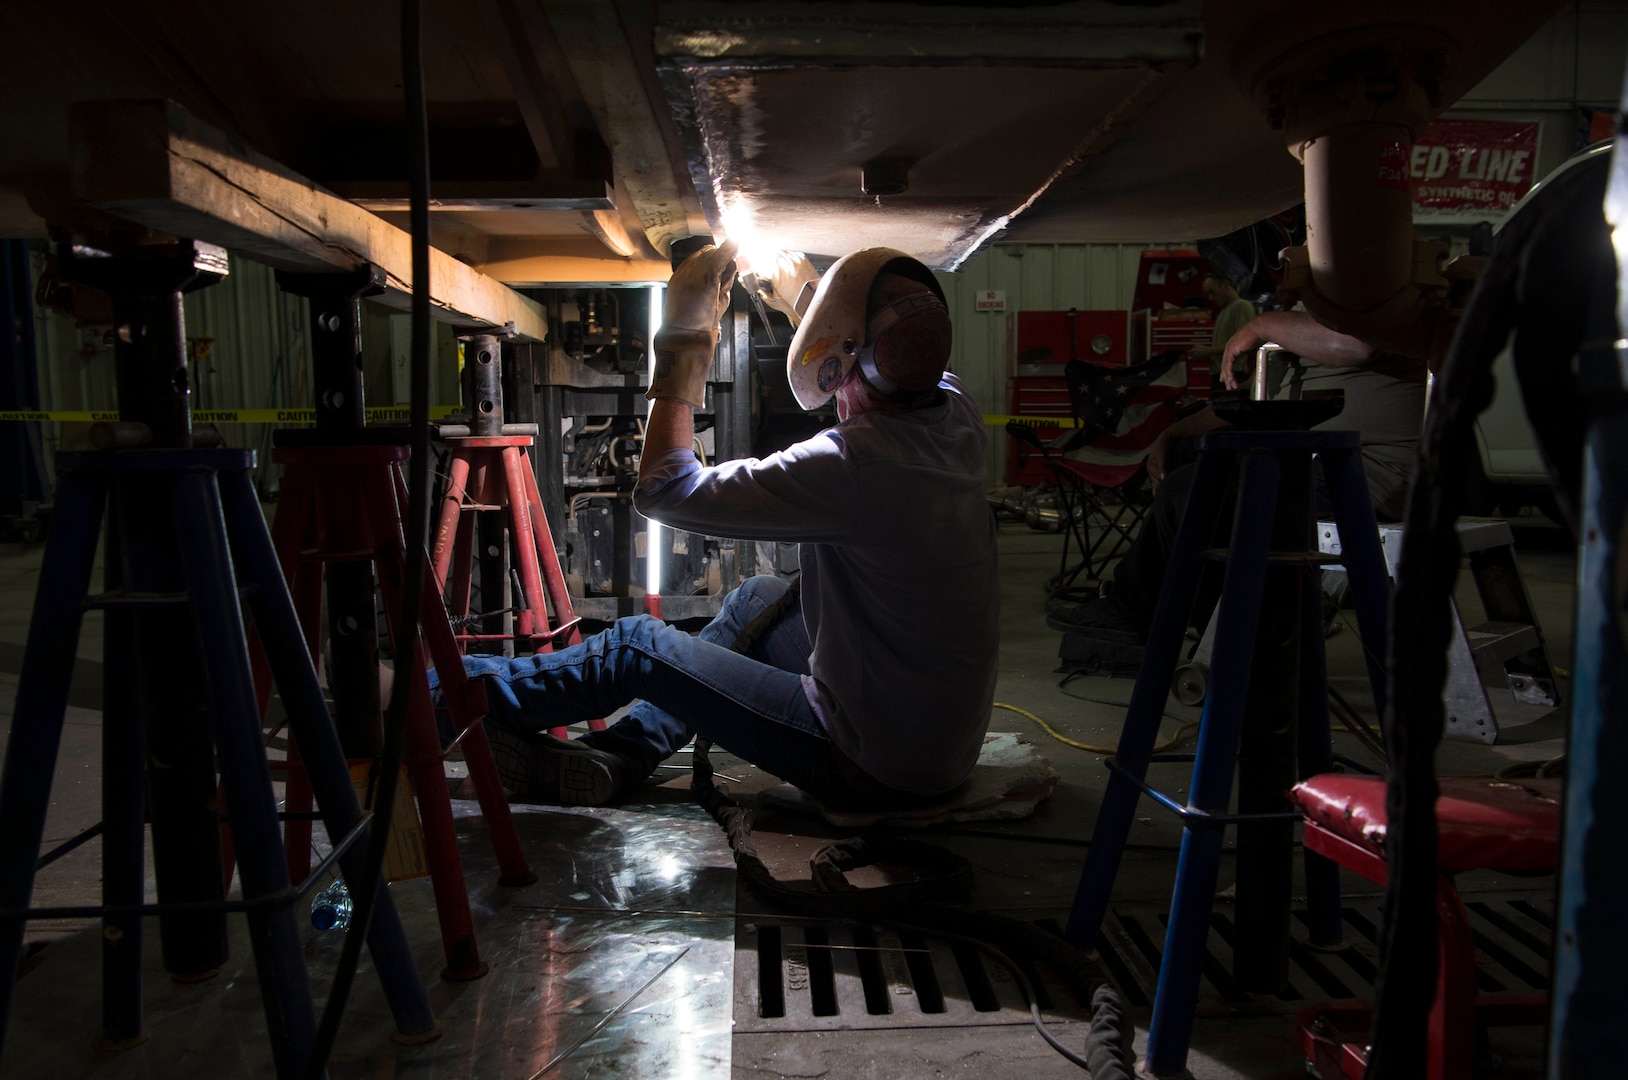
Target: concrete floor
1027 869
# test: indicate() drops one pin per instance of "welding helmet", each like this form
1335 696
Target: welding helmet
837 332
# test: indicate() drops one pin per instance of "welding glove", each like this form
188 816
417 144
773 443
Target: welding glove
787 284
697 296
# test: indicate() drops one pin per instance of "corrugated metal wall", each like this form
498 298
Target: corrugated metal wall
75 366
248 341
1034 277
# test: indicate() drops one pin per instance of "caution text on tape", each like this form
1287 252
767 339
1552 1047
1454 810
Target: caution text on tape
1033 421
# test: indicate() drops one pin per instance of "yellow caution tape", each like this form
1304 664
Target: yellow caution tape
374 416
227 416
36 414
1033 421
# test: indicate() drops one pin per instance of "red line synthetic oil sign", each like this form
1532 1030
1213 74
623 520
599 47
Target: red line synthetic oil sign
1465 166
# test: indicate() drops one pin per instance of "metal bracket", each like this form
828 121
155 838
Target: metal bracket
149 348
335 301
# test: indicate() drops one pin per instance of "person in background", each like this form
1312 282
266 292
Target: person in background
1232 312
870 681
1384 403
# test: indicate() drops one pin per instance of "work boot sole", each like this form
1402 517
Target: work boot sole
1090 653
541 768
1126 637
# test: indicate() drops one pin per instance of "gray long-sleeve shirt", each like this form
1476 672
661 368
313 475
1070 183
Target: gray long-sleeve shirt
900 590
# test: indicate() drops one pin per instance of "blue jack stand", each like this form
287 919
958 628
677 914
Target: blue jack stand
1268 591
180 722
201 505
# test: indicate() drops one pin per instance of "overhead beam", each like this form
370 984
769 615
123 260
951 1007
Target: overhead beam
607 46
511 37
475 196
152 163
541 78
527 263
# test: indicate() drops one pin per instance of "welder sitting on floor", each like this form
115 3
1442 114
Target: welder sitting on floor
874 687
1384 403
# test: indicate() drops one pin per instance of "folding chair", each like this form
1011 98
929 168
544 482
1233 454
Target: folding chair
1099 466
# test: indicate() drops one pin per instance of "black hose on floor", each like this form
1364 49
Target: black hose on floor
1108 1042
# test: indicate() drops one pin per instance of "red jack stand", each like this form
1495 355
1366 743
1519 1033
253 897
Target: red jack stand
490 471
340 510
343 504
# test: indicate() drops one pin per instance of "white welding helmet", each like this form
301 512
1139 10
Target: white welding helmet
834 334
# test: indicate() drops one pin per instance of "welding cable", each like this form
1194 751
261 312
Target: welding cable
1109 1036
1062 684
1181 732
1349 720
364 893
919 905
1108 1042
1353 722
945 876
1355 728
1551 274
1537 769
1369 652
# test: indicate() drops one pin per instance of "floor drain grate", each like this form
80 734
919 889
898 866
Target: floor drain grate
792 976
799 977
1512 936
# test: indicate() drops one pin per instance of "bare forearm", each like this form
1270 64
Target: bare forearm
670 426
1309 339
1200 423
1188 427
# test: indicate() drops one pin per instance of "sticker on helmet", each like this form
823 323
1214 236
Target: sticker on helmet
830 374
817 349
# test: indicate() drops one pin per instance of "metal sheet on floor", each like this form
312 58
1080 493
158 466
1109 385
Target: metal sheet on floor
617 962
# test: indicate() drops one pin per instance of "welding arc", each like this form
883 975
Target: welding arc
365 892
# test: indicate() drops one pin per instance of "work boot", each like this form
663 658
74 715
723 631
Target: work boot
1102 618
1084 653
1099 638
538 767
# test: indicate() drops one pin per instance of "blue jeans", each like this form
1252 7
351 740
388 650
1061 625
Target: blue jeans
750 704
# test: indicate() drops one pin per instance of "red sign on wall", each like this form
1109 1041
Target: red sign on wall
1473 165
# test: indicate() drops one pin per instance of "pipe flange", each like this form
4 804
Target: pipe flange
1378 74
1402 323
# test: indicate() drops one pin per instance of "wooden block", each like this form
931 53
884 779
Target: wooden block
405 857
152 163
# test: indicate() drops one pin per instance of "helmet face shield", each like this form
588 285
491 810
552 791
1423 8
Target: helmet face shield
831 336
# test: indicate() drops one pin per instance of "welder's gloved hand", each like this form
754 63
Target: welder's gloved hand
697 296
787 284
